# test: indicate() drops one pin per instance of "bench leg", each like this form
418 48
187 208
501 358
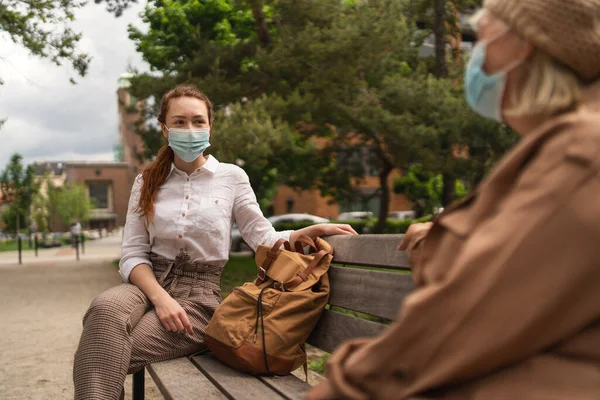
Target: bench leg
138 384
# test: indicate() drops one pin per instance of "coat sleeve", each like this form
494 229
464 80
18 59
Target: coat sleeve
525 279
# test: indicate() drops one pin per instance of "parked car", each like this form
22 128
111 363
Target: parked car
401 215
293 218
355 216
238 244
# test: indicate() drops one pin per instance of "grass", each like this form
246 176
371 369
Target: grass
239 269
12 245
318 365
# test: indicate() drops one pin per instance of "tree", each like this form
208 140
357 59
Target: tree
248 135
18 185
41 26
65 203
346 75
73 202
424 189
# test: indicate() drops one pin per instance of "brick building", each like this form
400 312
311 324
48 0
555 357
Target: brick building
108 185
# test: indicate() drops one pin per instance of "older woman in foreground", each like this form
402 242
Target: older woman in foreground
507 304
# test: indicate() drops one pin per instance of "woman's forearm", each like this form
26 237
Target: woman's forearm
143 277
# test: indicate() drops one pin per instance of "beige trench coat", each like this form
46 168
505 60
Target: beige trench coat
508 298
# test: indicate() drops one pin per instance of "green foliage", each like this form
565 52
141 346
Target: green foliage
249 136
345 75
18 185
72 202
41 26
420 186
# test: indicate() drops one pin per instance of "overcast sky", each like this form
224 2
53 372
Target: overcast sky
50 119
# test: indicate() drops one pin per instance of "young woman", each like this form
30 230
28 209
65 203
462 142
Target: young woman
508 297
175 245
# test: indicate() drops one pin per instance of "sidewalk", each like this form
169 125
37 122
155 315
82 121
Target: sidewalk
42 304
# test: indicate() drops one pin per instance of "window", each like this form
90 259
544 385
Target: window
290 205
359 161
99 194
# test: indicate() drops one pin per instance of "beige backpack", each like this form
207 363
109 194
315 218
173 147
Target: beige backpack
261 327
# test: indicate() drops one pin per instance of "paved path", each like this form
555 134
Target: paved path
42 303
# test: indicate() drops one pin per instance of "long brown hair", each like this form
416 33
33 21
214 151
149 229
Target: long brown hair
157 172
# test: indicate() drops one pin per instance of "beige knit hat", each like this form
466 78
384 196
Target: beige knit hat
568 30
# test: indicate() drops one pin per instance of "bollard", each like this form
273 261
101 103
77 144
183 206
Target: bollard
20 247
82 243
77 247
35 242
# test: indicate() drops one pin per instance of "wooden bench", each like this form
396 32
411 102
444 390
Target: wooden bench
374 291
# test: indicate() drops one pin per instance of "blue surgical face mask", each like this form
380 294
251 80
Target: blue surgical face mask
189 144
485 92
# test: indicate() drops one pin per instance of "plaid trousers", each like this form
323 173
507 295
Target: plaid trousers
122 333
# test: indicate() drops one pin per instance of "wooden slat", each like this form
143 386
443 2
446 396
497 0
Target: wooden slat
179 379
372 292
334 328
288 386
369 250
234 384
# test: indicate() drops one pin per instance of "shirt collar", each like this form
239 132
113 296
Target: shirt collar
210 165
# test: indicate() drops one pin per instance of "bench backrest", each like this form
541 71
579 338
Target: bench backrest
377 291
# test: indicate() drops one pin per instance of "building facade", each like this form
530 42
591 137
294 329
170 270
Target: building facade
108 186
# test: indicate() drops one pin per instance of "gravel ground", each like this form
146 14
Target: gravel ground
41 308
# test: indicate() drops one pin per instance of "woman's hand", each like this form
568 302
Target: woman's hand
319 230
323 391
334 229
415 233
172 315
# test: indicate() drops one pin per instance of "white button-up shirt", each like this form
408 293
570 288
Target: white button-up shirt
195 213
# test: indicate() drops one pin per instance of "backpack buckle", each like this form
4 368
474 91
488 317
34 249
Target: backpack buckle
262 273
281 286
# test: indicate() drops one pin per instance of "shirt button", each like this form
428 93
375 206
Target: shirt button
183 214
180 236
188 179
187 197
216 201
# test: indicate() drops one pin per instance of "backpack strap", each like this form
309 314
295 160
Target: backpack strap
301 276
302 241
271 256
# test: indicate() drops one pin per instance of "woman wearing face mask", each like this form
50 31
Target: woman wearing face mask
507 304
175 245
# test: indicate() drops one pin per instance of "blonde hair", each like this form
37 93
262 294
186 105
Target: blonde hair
549 87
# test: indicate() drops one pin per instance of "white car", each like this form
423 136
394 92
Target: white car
401 215
238 244
292 218
355 216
